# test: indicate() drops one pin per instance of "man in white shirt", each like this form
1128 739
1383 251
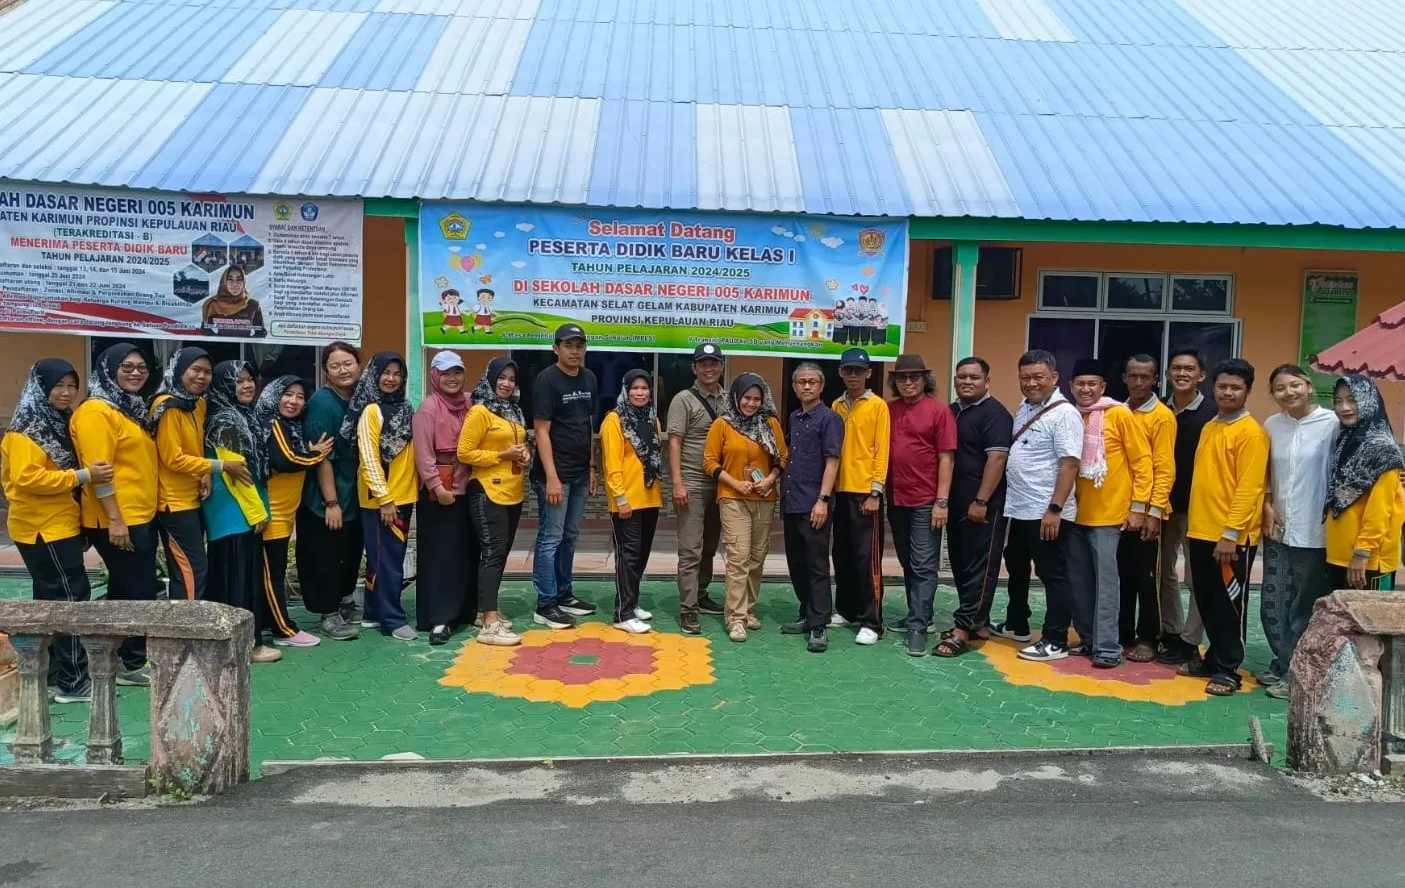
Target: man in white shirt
1040 474
1295 539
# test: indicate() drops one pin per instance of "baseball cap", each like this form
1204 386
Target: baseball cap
854 357
569 331
707 351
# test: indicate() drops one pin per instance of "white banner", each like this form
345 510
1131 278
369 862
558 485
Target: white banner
159 265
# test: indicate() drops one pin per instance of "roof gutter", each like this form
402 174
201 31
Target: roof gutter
1186 234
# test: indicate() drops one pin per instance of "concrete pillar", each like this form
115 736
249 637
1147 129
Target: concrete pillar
964 255
104 735
34 743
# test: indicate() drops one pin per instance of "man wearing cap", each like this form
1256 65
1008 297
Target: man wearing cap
1114 494
690 416
923 441
858 513
564 398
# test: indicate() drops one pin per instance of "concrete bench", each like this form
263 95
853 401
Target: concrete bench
199 652
1346 705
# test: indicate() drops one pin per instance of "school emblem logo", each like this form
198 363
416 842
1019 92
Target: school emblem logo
308 211
455 226
282 212
871 241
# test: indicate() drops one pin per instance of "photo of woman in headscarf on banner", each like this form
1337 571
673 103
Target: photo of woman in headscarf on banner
231 311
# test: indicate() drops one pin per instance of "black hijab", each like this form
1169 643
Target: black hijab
756 426
230 424
1363 452
172 384
397 416
487 392
640 426
102 385
40 421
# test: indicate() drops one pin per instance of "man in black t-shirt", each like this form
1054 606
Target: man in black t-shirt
564 397
976 532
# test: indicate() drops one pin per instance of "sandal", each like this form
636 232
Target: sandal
1142 653
1221 686
951 646
1196 669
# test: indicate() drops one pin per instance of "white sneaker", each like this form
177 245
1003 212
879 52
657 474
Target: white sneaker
634 627
370 624
837 621
866 636
500 634
641 614
1044 652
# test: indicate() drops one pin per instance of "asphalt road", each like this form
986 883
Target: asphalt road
983 820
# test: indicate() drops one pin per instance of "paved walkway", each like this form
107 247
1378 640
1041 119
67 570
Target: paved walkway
596 691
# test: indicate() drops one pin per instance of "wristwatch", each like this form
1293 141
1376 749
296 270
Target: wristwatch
980 502
1055 508
824 497
943 503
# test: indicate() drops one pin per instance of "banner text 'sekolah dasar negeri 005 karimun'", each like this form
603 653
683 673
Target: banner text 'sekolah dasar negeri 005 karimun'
506 277
157 265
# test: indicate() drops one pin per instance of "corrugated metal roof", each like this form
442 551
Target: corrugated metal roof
1255 111
1378 350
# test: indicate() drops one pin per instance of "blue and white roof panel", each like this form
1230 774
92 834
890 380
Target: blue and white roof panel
1250 111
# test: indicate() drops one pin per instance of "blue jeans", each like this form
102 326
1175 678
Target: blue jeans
919 548
557 529
1097 588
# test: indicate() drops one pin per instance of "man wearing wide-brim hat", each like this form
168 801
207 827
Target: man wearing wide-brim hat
923 442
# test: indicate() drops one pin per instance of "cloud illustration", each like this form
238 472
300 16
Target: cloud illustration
499 234
519 264
481 246
800 238
525 226
832 242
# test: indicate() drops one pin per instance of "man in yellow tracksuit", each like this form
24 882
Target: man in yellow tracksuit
858 511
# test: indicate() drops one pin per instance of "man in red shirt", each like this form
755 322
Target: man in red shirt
923 451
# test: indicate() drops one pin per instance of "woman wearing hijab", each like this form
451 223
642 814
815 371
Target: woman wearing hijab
231 311
494 445
328 520
1365 501
746 453
444 556
380 423
278 423
236 512
630 454
182 472
39 474
119 516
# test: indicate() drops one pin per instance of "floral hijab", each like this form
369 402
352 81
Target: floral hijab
230 424
1363 452
266 416
756 427
641 427
40 421
102 385
487 392
397 415
172 385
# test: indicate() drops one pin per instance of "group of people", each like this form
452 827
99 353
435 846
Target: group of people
1100 497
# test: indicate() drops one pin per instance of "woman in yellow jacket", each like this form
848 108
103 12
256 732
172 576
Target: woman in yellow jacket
746 453
632 458
493 444
379 423
39 473
182 472
1365 500
119 516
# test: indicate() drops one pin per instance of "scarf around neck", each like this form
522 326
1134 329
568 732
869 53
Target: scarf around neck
102 385
40 421
397 416
487 392
757 426
640 426
231 425
172 384
1093 463
1363 452
266 416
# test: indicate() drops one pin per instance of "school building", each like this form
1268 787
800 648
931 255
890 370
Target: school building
1095 177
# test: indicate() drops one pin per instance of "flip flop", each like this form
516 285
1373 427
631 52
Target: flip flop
951 646
1142 653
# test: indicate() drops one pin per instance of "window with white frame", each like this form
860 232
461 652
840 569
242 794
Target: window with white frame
1112 315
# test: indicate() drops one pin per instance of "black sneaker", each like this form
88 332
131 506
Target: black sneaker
552 616
350 611
575 606
898 625
690 624
1044 651
707 606
819 641
916 643
799 627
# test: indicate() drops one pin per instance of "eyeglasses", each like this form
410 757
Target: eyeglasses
808 382
132 368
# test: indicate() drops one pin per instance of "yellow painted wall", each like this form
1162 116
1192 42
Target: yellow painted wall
1267 296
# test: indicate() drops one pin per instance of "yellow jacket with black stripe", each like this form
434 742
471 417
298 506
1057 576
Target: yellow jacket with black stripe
285 484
